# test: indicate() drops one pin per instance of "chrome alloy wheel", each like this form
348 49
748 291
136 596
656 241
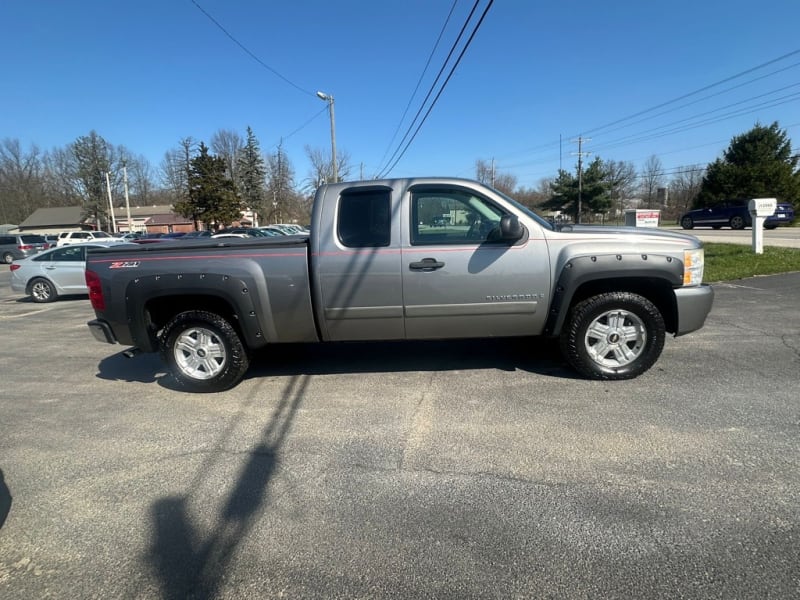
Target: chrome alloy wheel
41 291
615 338
200 353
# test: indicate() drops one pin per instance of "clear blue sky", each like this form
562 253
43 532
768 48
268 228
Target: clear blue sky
146 74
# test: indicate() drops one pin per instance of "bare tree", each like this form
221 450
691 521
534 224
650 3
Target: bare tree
283 202
652 179
141 184
487 174
684 187
228 145
622 183
321 170
175 168
21 181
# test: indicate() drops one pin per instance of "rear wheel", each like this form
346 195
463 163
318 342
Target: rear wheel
737 222
617 335
43 291
687 223
204 352
8 258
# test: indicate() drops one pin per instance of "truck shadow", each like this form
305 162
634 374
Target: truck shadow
533 355
539 356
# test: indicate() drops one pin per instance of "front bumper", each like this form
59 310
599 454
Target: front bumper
694 304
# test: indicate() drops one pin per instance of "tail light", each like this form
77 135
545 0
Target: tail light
14 266
24 247
95 290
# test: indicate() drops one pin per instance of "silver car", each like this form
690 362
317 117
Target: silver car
14 246
56 272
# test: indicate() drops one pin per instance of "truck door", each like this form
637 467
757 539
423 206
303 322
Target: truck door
357 267
458 279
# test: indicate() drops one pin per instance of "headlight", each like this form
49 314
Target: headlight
693 264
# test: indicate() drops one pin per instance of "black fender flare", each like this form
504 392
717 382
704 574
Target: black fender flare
612 272
207 289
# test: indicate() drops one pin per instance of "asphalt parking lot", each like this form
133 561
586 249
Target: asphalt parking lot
437 470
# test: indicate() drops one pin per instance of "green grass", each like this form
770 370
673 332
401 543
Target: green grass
725 262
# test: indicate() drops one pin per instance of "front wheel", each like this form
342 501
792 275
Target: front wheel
737 222
203 351
8 258
616 335
687 223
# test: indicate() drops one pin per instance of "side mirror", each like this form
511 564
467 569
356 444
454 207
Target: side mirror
510 228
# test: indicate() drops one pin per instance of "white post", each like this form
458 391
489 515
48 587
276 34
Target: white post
127 201
111 204
760 209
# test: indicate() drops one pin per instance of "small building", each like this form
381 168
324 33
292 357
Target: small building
55 219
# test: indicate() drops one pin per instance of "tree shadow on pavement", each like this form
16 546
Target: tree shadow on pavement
5 500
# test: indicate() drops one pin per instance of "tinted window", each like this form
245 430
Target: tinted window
66 254
364 219
32 239
4 241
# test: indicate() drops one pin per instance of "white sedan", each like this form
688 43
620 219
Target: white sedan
56 272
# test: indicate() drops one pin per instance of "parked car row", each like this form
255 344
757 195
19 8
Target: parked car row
46 269
55 272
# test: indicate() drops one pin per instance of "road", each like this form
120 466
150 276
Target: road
436 470
787 237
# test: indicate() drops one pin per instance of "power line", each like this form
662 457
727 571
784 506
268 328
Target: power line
435 81
703 89
443 86
248 52
419 81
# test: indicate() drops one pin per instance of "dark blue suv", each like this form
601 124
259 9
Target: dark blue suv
734 214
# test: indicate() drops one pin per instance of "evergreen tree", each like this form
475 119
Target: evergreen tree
594 184
252 174
757 164
211 196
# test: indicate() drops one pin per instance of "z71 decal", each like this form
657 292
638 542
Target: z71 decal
125 264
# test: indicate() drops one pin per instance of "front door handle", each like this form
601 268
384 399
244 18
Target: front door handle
426 264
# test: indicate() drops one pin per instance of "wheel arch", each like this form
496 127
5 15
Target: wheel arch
151 303
650 276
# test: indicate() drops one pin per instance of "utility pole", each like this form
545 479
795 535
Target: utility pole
334 165
581 154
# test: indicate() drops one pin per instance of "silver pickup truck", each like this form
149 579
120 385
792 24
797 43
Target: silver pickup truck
403 259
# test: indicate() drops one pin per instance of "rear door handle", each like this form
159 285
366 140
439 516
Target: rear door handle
426 264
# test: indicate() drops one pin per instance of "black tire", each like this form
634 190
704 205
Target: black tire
737 222
770 225
204 352
42 291
8 258
687 223
616 335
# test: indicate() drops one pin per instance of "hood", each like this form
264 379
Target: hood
602 230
